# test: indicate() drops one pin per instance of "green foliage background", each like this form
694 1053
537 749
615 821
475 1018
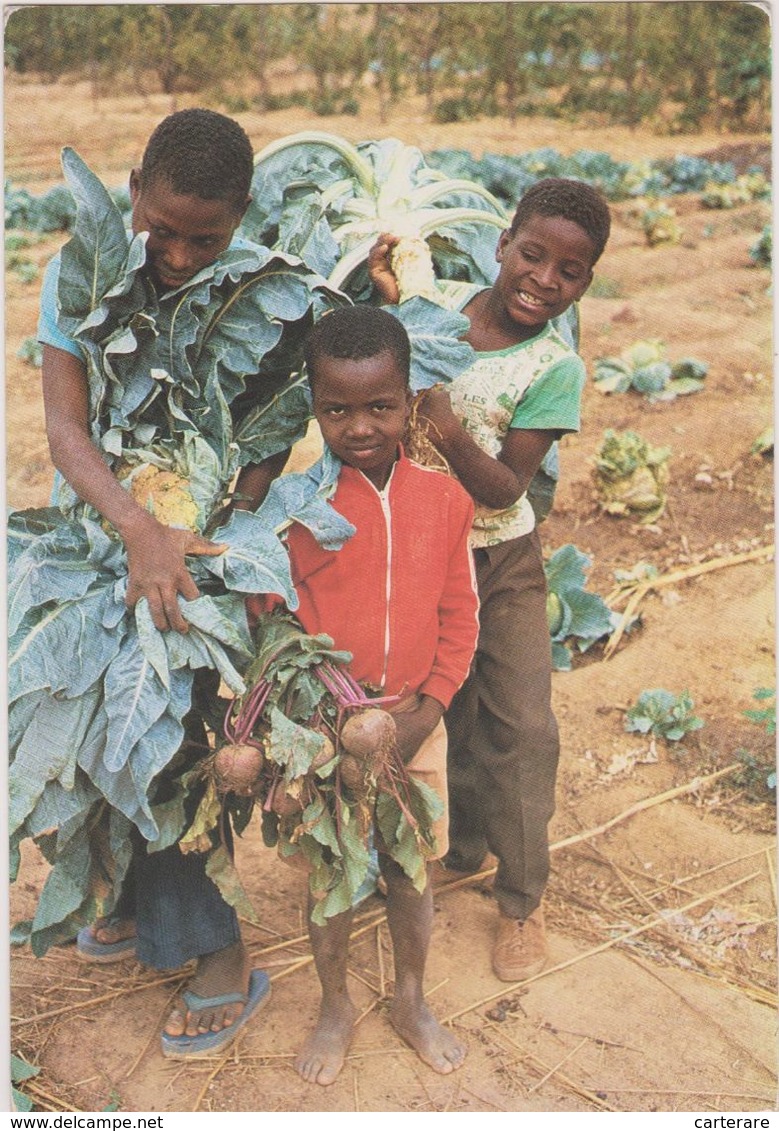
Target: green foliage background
709 61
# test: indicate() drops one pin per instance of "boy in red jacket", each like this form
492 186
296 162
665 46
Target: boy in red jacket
400 596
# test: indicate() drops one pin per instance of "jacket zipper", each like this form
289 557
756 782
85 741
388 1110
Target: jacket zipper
385 508
384 502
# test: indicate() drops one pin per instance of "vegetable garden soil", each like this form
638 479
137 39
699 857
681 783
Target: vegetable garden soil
680 1014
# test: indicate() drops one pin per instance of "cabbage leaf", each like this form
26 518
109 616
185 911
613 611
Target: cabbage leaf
573 613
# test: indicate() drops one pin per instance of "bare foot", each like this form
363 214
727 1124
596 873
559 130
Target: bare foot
222 972
435 1045
109 931
322 1056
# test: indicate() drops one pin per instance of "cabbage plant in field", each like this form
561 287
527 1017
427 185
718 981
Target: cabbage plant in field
572 613
663 714
660 224
631 476
761 251
51 211
764 716
643 366
764 443
749 186
31 352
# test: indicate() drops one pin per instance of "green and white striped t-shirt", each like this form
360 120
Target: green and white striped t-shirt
536 384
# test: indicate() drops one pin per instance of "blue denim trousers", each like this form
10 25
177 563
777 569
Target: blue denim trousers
178 910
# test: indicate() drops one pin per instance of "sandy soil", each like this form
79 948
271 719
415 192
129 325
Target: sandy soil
661 992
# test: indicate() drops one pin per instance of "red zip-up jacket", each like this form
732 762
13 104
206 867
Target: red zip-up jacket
400 594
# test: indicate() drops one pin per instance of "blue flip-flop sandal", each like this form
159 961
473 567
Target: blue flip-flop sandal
93 950
206 1044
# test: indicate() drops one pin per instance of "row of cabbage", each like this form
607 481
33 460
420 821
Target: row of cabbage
506 177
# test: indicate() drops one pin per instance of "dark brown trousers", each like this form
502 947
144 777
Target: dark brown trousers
503 738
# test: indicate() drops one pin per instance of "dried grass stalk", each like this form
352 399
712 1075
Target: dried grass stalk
557 1067
771 874
637 594
536 1063
647 803
639 930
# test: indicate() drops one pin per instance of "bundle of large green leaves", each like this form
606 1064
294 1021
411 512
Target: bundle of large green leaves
189 381
317 195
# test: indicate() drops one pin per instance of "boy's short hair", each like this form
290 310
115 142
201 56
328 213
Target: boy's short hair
572 200
355 333
200 153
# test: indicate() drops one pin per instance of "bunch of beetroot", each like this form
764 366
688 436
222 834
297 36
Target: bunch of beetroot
319 756
354 752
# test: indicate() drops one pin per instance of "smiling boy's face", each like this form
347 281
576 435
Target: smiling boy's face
362 408
544 267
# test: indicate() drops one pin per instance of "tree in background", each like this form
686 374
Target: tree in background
743 79
269 36
329 42
674 66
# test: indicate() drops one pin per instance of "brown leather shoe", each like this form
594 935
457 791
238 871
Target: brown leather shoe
520 949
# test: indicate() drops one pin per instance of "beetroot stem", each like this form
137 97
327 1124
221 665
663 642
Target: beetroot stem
255 706
346 690
338 803
240 727
276 781
222 820
352 690
333 682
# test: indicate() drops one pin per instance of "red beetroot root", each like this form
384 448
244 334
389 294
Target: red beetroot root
369 736
237 768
